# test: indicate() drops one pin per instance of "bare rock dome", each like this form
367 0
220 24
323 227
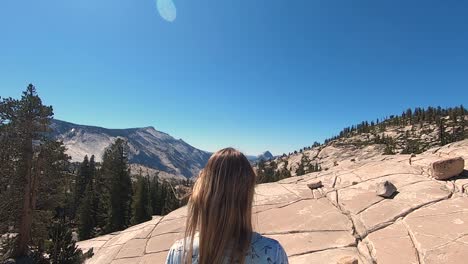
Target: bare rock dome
427 222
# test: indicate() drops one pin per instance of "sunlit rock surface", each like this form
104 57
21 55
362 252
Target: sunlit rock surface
425 222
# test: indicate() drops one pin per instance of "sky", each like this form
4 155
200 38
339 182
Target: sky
253 74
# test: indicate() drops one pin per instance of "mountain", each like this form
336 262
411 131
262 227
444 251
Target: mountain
265 156
148 148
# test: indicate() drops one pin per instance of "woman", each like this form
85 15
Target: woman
219 222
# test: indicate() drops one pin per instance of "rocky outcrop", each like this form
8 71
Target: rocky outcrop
426 222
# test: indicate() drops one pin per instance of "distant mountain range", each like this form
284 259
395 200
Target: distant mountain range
148 148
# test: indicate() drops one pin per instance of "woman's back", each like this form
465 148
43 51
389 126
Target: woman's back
262 250
219 217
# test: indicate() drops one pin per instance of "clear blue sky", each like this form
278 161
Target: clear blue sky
253 74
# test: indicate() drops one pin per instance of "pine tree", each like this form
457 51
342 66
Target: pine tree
284 173
81 182
300 170
164 197
141 204
62 249
260 171
34 168
115 171
442 133
463 112
92 168
157 202
170 200
87 214
101 202
389 145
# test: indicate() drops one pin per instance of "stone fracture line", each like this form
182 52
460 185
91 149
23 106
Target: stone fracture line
280 205
129 257
305 231
289 191
293 202
166 233
358 239
368 253
146 244
453 212
369 206
401 215
455 240
172 219
351 246
355 174
419 256
334 182
430 204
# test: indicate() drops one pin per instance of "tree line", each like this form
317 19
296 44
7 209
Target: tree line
269 171
417 116
106 199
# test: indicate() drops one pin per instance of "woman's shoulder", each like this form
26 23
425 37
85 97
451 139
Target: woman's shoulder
259 240
266 248
179 245
176 252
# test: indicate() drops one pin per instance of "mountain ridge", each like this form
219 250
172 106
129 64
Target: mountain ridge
150 150
147 146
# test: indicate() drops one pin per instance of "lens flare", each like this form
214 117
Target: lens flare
167 9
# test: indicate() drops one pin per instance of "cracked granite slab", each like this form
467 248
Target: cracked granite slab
426 222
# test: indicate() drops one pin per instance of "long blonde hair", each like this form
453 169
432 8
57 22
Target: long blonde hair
220 209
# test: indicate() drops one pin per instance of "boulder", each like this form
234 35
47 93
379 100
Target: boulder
446 168
315 185
348 260
385 189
